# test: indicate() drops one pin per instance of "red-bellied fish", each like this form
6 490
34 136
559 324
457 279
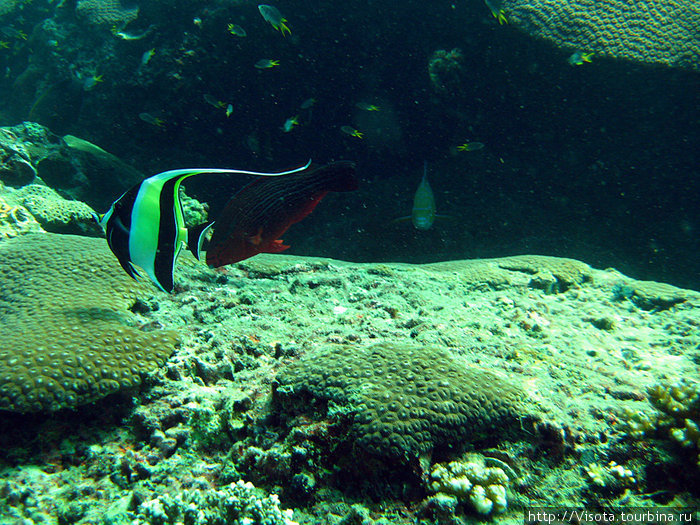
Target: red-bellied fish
254 219
145 227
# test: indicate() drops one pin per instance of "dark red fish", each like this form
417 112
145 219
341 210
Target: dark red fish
255 218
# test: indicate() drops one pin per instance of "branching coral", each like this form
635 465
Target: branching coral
471 482
678 415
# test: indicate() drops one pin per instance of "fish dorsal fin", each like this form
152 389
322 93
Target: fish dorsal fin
184 173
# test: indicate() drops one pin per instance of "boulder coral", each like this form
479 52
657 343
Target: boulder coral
405 401
650 31
68 333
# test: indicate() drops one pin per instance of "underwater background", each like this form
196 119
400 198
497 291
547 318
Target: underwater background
532 341
596 160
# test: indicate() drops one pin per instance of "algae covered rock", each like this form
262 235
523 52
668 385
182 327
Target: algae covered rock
16 220
16 168
403 401
68 335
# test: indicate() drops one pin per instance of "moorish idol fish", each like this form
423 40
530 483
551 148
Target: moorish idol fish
423 213
145 227
254 219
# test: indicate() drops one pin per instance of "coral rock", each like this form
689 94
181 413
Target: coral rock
406 400
106 12
652 31
67 337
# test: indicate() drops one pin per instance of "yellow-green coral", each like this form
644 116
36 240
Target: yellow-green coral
653 31
678 414
67 335
610 477
54 213
680 400
471 482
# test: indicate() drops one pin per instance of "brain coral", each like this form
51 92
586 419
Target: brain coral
654 31
67 337
106 12
404 400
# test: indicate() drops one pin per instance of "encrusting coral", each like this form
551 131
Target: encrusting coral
54 213
106 12
652 31
405 400
67 335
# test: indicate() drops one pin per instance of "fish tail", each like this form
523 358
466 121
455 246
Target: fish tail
339 176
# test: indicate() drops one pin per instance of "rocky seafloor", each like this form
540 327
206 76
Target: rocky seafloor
312 390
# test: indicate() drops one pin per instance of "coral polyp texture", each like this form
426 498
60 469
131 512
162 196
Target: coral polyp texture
652 31
106 12
55 213
68 336
405 401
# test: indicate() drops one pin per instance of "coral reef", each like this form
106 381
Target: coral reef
652 31
73 167
56 214
445 71
215 415
677 416
404 401
111 13
469 481
238 502
72 338
16 168
16 220
651 295
551 274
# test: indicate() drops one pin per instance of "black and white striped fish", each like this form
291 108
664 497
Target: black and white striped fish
145 227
